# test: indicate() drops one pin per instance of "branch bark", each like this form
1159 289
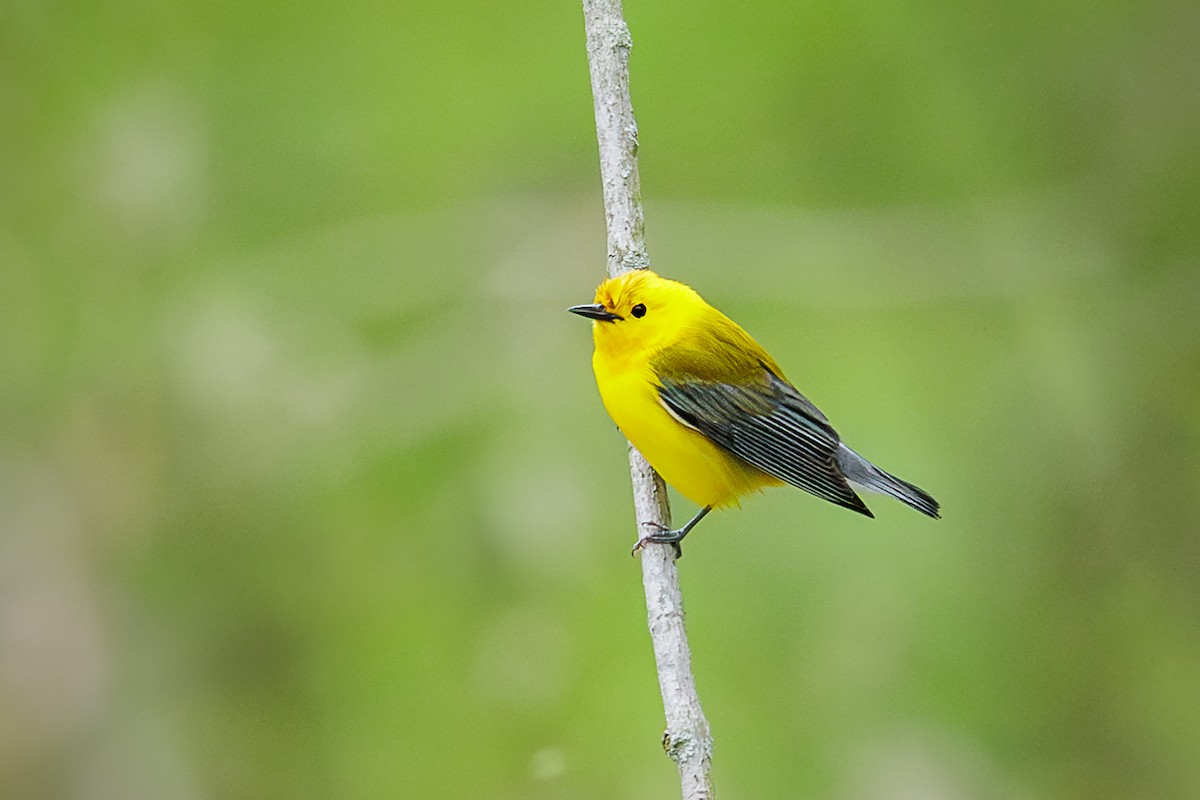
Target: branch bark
687 739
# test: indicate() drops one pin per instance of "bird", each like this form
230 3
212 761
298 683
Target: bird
711 411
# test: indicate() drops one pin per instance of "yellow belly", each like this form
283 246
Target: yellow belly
699 469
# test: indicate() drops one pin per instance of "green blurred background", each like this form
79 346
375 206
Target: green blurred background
306 491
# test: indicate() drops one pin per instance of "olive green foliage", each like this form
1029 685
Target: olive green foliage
306 491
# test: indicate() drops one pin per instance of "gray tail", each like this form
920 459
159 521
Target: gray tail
858 470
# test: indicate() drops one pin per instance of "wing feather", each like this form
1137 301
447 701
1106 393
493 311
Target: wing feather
767 424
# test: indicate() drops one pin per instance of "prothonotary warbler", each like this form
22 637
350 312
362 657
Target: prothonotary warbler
709 408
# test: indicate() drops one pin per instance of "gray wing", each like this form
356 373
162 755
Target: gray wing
771 426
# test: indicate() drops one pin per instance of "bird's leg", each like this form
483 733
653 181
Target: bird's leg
664 536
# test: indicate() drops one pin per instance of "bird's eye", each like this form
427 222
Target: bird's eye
639 310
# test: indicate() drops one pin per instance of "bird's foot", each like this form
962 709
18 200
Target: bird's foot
664 535
671 537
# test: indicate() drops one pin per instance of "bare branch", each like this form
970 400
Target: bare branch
687 739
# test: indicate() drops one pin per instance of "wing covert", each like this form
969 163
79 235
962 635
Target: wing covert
769 425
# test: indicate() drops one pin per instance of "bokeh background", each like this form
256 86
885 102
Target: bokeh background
306 491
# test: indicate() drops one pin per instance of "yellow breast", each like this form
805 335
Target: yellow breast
699 469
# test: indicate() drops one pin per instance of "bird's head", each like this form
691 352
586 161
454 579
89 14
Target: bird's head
640 312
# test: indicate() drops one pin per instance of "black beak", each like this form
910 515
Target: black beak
595 311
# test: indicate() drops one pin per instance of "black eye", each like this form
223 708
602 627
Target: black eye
639 310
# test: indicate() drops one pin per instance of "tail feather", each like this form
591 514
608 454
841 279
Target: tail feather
862 472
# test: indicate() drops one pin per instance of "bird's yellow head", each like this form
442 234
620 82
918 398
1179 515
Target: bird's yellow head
640 312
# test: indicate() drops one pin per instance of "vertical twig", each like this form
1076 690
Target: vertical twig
687 739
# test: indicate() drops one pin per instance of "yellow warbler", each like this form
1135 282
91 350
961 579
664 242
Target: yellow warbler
710 410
